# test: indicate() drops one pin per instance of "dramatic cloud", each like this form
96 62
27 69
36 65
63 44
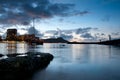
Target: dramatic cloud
81 12
116 33
33 30
83 30
67 36
101 36
22 11
87 35
73 34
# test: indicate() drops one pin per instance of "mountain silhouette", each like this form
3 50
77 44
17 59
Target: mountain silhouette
55 40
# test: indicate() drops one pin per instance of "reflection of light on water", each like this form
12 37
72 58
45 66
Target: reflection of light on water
22 48
76 51
55 45
3 57
99 53
23 55
82 62
16 47
11 44
77 61
90 53
3 48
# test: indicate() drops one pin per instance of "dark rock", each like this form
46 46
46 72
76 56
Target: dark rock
24 64
13 55
1 55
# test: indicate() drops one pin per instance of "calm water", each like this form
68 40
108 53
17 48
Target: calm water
74 61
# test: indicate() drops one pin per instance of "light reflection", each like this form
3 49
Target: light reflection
80 53
91 53
55 45
81 61
76 61
76 51
3 48
10 47
22 47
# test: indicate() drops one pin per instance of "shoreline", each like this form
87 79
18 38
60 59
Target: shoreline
12 42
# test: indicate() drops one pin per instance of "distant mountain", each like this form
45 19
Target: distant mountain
55 40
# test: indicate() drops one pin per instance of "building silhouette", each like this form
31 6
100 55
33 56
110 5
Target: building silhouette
0 38
30 38
11 35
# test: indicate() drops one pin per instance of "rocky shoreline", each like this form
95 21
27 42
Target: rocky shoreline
16 65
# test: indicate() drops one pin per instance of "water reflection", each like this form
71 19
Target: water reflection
82 62
17 47
77 53
75 61
56 45
22 48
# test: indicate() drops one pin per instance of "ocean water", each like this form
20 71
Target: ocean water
74 61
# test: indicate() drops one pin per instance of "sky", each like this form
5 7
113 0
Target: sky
74 20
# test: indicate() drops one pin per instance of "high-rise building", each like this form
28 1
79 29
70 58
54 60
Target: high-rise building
11 34
0 38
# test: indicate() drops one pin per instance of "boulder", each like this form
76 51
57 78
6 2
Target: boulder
23 64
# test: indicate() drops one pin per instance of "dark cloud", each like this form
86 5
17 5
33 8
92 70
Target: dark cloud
81 12
87 35
71 34
75 13
116 33
22 11
102 34
33 30
84 30
67 37
101 37
83 33
23 28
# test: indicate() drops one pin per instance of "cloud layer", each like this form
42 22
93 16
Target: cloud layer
23 11
80 34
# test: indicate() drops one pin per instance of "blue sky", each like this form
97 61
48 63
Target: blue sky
104 15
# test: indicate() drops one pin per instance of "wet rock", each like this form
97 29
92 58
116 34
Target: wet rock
24 64
1 55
